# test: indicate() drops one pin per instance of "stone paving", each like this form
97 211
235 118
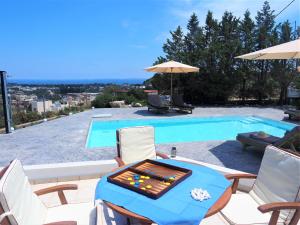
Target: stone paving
64 139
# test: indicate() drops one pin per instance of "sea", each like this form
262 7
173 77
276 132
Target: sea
86 81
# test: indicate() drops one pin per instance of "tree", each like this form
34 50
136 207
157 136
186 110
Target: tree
247 72
283 70
174 47
265 22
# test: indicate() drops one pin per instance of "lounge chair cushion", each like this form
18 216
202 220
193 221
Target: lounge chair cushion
278 178
242 209
83 213
136 144
17 197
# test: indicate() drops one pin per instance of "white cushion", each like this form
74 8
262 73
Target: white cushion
242 210
278 178
137 143
83 213
106 216
17 197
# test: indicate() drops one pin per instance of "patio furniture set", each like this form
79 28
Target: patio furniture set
273 199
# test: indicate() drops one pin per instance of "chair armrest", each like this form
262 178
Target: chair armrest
59 189
119 161
236 178
277 206
162 155
63 223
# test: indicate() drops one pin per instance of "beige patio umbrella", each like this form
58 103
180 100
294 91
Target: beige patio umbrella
172 67
289 50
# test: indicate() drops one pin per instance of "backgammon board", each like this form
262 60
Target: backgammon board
150 178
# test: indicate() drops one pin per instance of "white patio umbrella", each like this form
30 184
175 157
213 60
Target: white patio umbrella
289 50
172 67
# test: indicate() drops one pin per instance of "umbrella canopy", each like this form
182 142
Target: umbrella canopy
172 67
289 50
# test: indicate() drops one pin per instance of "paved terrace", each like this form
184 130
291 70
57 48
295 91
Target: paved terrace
64 139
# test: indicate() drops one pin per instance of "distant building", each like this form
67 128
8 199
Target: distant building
41 106
293 93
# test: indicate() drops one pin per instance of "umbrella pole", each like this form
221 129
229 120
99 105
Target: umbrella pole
171 88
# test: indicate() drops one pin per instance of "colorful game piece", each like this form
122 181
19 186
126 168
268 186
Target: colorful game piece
137 185
132 183
143 188
143 177
129 178
136 177
137 182
149 186
141 181
147 177
171 178
167 183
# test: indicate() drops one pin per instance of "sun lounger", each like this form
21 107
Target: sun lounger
156 104
274 197
136 144
293 114
260 141
178 103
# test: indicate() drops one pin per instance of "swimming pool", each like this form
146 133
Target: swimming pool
103 133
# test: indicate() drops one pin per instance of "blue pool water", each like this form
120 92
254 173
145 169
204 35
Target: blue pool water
103 133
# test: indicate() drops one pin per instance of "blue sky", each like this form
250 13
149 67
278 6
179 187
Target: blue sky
96 39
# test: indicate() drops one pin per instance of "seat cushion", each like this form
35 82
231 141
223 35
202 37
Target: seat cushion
17 197
136 144
242 209
82 213
278 179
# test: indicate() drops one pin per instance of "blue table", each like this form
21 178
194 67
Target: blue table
176 206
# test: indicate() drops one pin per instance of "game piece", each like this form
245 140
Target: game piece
132 183
143 188
149 186
143 177
137 185
136 177
167 183
129 178
141 181
147 177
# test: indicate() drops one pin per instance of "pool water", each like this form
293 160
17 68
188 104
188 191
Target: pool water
103 133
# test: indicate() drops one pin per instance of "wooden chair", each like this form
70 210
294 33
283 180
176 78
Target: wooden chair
19 205
136 144
275 195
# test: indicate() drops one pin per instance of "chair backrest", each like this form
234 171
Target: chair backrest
154 100
136 144
178 100
290 136
278 179
17 198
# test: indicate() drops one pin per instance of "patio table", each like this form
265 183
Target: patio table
150 211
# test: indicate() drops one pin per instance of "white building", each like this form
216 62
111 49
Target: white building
41 106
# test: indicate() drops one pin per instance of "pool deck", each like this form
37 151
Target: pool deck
64 139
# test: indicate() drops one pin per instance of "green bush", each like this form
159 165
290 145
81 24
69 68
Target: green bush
102 101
